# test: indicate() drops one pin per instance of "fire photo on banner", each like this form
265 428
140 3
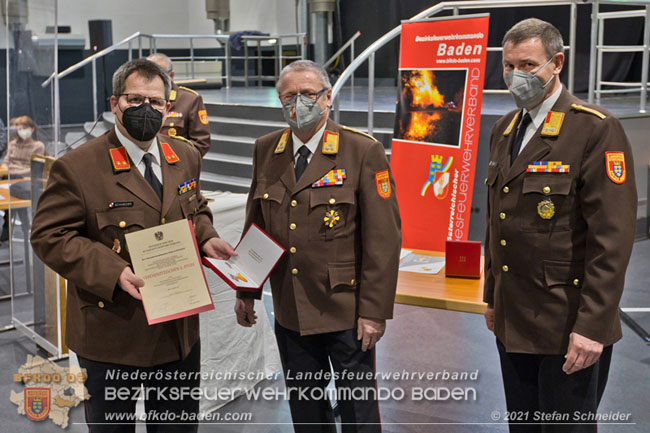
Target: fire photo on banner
435 139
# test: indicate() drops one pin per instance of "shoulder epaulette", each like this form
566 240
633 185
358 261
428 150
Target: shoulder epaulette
178 137
347 128
188 89
588 110
512 124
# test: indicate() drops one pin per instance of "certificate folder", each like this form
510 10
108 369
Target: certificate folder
167 258
257 255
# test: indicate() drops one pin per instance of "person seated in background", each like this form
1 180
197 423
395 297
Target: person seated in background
18 159
3 138
22 147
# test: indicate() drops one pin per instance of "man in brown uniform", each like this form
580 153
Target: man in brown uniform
325 193
560 226
187 117
126 180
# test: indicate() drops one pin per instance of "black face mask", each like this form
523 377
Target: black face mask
142 122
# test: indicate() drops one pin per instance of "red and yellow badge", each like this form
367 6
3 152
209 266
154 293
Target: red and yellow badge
120 159
383 183
203 117
169 154
37 403
615 164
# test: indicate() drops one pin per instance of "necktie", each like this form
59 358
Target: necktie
521 131
301 164
150 177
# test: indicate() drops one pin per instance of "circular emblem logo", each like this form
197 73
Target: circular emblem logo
546 209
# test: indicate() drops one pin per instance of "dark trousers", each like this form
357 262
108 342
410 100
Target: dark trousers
311 355
536 386
165 412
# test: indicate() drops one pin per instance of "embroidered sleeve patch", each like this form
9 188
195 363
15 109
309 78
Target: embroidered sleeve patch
383 183
203 117
615 165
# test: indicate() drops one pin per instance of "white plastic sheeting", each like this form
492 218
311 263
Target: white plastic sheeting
235 357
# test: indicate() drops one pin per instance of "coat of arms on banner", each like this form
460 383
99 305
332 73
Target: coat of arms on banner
438 177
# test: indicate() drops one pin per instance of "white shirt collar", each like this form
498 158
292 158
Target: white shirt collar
538 114
134 151
312 143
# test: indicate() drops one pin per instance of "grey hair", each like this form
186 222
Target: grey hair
159 58
305 65
146 68
535 28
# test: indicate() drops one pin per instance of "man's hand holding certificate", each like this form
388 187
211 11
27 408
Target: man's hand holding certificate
167 258
257 255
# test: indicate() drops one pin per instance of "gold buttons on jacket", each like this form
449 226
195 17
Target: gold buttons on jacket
506 189
294 271
502 215
505 268
162 220
485 181
546 189
266 195
353 282
503 242
100 304
294 203
122 224
576 282
332 200
292 250
292 226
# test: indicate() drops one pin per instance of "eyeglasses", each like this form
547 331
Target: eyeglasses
306 97
134 99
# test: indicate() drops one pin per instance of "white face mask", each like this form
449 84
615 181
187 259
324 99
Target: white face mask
526 89
25 133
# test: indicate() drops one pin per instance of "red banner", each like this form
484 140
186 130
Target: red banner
442 67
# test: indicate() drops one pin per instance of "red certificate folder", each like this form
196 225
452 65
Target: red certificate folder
463 259
258 254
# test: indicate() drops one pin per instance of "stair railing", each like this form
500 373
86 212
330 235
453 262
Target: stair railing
456 6
152 48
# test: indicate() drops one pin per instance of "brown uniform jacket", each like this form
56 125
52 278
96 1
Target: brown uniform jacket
78 234
549 277
188 118
328 276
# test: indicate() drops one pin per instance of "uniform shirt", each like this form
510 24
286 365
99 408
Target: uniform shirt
312 143
136 154
538 114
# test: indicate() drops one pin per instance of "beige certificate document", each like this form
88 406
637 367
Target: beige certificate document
167 258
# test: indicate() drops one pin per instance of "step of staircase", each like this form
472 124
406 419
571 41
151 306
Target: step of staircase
218 182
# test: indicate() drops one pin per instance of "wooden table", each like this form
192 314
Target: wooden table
3 171
6 200
438 291
10 204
